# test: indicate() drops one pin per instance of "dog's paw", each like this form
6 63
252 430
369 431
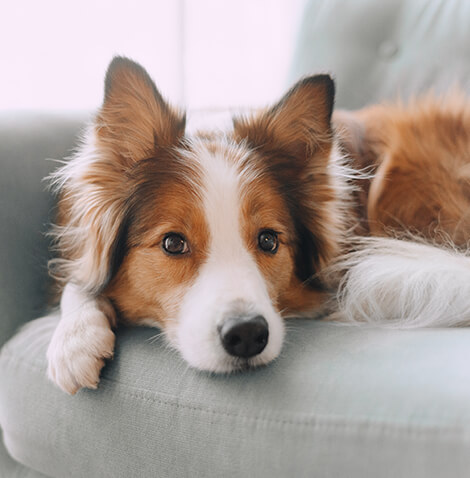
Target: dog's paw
78 349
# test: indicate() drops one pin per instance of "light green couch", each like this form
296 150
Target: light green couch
384 49
339 402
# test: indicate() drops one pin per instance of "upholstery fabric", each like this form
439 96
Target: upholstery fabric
26 140
10 468
339 402
384 49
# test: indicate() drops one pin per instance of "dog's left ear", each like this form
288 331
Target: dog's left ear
294 140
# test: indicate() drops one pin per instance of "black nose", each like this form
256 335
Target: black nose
244 337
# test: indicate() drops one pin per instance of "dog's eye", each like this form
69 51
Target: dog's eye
268 241
175 244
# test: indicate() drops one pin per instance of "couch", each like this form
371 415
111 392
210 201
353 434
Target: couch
339 401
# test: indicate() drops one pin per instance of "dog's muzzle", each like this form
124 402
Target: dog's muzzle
244 337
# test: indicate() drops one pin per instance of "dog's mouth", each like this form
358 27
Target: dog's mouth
234 365
221 363
252 364
243 365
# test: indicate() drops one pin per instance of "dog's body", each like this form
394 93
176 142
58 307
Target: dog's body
216 238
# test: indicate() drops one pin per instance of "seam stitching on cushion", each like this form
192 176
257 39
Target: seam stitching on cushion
325 422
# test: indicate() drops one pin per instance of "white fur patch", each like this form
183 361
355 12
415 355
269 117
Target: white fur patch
229 284
403 284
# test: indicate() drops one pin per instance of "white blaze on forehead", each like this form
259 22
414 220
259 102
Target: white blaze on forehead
221 185
223 177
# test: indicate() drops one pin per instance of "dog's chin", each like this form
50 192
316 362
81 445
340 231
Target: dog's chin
220 362
229 365
239 365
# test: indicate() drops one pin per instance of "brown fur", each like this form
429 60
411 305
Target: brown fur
420 154
134 124
162 201
294 140
264 208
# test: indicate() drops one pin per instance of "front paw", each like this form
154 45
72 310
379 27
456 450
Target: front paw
78 348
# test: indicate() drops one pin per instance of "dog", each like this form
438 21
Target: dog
216 238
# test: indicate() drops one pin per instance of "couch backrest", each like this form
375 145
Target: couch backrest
25 207
379 49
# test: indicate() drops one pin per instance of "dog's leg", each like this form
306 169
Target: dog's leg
82 340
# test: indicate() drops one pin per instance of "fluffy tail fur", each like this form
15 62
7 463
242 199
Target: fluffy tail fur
403 284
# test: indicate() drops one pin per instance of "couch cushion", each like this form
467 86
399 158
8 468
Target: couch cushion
340 401
381 49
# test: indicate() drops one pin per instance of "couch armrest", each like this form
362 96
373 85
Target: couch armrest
26 140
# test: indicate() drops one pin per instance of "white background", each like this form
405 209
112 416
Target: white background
210 54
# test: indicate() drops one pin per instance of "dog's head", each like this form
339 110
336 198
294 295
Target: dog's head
212 237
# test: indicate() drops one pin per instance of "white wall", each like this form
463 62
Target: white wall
201 53
237 52
55 52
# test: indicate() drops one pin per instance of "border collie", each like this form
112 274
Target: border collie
217 237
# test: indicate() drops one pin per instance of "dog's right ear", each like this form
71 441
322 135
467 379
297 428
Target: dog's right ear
133 124
135 121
